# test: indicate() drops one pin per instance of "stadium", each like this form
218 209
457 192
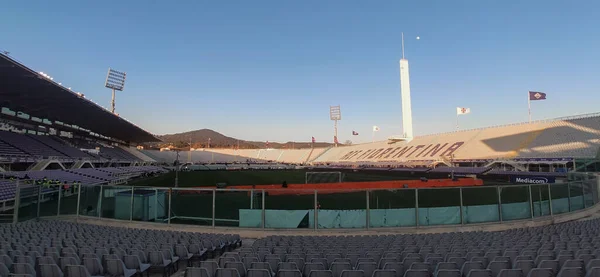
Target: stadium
79 196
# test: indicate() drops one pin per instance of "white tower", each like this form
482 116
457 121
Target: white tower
405 94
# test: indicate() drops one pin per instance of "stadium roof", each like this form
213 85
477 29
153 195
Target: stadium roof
24 90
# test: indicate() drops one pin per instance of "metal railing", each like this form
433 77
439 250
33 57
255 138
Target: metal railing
286 208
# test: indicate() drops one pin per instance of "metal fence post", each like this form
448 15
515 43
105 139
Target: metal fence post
17 203
462 219
78 199
550 200
368 215
213 207
251 199
100 196
316 212
131 206
169 214
583 193
59 196
155 205
39 200
498 191
417 208
263 209
569 195
530 202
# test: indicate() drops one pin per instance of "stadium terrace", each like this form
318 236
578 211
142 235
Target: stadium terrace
79 197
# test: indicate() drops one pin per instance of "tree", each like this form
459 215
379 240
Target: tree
348 142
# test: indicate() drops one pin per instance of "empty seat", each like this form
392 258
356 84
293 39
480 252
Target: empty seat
23 269
353 273
571 272
417 273
133 262
541 272
289 273
480 273
227 272
384 273
511 273
237 265
497 266
258 273
320 273
447 273
50 270
196 272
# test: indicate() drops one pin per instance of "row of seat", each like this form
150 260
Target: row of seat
53 248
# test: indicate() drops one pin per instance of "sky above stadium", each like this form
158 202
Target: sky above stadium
269 70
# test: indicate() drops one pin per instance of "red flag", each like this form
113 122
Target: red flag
313 140
335 140
267 144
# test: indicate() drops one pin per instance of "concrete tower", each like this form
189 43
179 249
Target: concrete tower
407 126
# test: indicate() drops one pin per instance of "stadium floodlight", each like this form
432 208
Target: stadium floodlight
335 114
115 80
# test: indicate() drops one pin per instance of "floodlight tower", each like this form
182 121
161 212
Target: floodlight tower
115 80
335 114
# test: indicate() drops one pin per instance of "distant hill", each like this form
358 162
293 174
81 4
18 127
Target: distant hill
200 138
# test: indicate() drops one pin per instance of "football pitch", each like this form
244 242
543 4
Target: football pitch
252 177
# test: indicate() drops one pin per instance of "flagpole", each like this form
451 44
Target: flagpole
529 105
457 121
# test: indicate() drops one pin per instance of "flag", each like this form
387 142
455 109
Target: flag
335 140
375 128
536 95
313 140
267 144
354 133
460 110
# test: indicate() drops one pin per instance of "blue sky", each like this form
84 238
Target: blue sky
269 70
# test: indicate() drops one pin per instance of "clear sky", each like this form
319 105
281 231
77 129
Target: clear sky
269 70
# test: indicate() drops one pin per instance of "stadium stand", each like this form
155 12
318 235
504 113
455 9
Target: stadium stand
565 138
59 248
561 250
574 137
84 176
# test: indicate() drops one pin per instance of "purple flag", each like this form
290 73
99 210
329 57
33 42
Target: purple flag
536 95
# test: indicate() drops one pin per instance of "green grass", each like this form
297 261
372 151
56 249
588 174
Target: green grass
253 177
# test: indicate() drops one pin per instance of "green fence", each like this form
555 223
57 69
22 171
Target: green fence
312 209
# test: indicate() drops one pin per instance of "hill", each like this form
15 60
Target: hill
201 137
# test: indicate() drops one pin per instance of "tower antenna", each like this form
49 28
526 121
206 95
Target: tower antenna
402 45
